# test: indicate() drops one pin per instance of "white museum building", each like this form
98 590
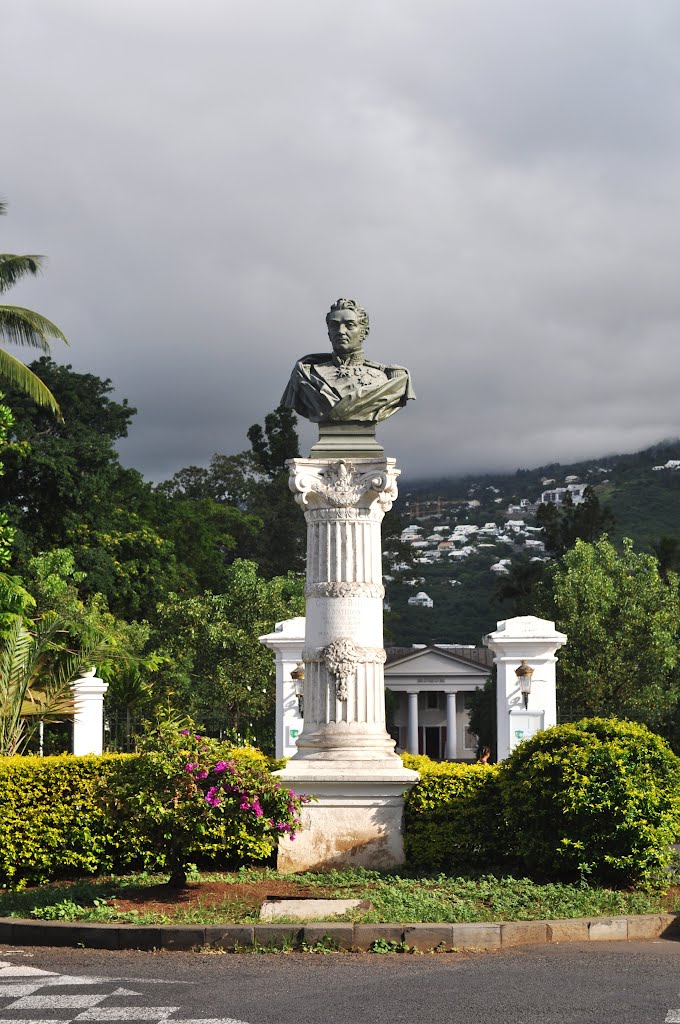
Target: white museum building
429 692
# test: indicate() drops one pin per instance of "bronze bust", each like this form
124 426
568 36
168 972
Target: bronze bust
343 386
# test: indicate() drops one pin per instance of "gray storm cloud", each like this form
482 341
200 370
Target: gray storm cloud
498 183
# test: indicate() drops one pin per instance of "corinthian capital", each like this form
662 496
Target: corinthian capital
319 483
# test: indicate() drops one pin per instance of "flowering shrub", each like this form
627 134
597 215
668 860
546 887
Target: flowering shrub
189 796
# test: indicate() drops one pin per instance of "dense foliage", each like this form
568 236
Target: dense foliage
453 818
68 816
623 623
187 797
598 799
184 573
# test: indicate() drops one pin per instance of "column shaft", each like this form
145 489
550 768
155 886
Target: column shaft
451 745
412 730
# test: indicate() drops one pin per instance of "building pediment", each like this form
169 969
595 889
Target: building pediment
435 668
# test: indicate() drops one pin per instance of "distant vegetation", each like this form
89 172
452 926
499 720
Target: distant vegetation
644 506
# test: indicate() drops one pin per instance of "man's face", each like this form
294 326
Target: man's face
345 332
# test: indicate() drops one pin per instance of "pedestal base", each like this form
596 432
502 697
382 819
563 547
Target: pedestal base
347 441
356 820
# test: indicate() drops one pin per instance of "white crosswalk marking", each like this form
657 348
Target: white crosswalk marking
18 990
24 988
19 971
57 1002
157 1013
673 1017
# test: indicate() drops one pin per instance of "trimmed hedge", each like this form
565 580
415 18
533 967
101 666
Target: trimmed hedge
54 821
597 799
453 816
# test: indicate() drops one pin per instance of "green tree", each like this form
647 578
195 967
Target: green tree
623 625
564 525
20 326
667 551
7 532
283 539
215 663
517 587
255 483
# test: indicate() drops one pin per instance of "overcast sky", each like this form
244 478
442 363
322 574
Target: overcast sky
496 181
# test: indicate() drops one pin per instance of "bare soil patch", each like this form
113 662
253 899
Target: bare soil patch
247 896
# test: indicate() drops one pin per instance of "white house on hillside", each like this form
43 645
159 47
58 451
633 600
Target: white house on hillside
421 599
557 494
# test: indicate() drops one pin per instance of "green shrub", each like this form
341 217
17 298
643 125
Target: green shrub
52 823
453 817
599 798
419 763
188 796
58 818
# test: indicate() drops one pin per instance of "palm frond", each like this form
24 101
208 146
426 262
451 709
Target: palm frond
18 374
13 267
25 327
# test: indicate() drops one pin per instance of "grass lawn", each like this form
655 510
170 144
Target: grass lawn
396 896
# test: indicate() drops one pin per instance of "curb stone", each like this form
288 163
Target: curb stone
424 937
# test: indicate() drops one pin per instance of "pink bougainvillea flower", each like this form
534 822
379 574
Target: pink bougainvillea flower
221 766
202 774
184 732
190 767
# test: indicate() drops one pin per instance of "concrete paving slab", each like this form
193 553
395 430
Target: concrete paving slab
308 909
477 936
569 930
429 936
608 929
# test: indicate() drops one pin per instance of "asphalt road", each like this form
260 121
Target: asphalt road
607 983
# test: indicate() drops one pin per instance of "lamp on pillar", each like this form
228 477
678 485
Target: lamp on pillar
298 677
524 674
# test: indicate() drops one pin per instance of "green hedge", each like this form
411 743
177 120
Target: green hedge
54 823
453 816
597 799
52 820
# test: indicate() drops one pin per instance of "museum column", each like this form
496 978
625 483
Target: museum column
345 756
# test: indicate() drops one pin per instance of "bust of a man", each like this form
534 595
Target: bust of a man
343 386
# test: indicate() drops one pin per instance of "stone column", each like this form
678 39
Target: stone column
536 641
286 642
88 718
345 756
451 746
412 730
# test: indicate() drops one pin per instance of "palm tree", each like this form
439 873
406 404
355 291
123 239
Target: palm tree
21 326
37 670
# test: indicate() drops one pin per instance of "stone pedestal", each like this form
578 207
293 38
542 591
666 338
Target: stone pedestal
345 757
535 641
286 642
88 718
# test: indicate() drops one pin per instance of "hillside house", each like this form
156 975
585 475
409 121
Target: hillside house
556 496
421 600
